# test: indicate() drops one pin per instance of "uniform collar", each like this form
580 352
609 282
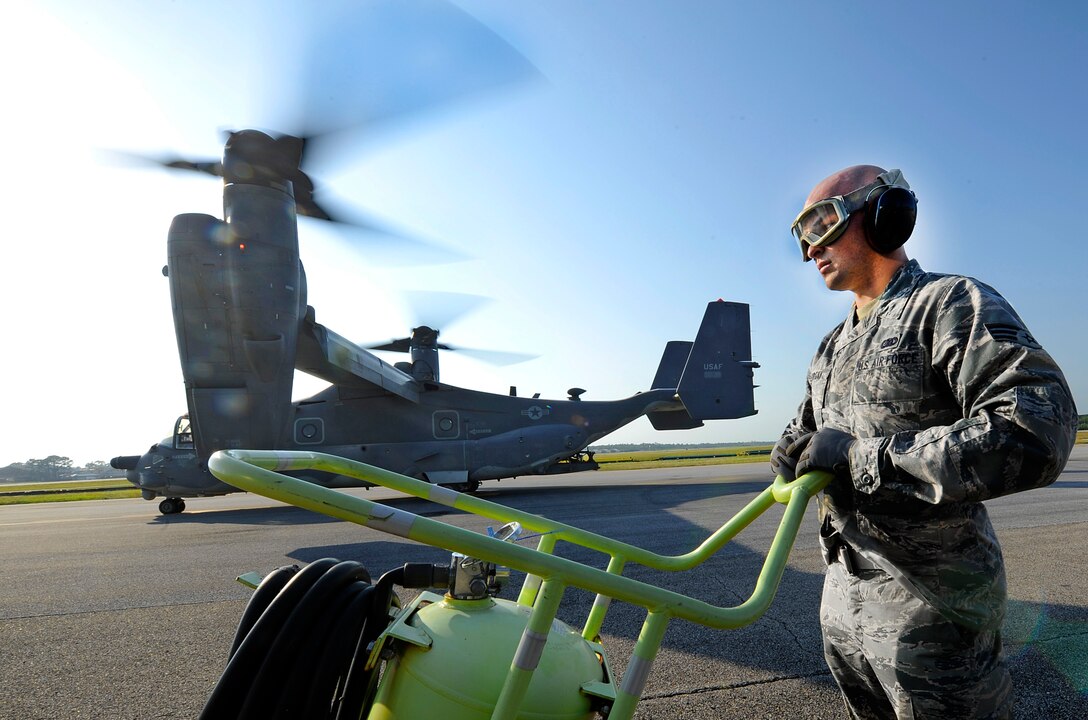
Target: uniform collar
903 281
901 285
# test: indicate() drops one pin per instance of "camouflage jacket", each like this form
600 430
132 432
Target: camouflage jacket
953 402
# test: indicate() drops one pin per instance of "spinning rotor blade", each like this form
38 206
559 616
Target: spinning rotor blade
323 78
491 357
438 309
281 156
421 337
122 158
402 345
446 307
372 65
384 244
495 357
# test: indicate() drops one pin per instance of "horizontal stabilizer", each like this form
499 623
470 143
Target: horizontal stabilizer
672 420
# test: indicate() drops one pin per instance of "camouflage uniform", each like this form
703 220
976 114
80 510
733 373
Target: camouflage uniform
953 402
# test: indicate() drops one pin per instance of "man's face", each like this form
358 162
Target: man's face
847 263
843 263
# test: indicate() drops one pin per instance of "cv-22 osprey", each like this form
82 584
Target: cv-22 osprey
243 327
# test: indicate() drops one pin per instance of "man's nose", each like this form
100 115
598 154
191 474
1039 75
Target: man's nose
812 251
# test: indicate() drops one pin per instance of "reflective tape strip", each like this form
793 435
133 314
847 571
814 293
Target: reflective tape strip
443 495
390 520
634 680
529 650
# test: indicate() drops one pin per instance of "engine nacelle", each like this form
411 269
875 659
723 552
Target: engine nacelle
238 292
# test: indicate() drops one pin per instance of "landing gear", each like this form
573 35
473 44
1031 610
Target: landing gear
466 487
171 506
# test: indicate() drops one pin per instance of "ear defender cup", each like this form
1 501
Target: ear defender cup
889 218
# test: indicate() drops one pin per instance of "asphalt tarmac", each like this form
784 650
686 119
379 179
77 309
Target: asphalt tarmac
110 610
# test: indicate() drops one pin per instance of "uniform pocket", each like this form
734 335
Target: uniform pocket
883 378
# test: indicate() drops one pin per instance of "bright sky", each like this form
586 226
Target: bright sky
654 166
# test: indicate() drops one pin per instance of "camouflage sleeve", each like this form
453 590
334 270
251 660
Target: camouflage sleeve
805 420
802 423
1018 420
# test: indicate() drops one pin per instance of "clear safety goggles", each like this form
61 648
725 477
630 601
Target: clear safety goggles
824 221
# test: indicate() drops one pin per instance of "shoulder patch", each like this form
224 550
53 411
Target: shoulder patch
1005 333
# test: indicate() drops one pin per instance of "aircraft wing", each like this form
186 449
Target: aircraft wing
332 357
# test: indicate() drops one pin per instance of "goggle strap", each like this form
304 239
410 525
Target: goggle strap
856 199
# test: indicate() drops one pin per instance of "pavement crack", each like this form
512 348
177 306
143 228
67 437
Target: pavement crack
807 648
735 686
1056 637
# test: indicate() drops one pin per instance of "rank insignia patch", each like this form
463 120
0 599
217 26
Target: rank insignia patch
1003 332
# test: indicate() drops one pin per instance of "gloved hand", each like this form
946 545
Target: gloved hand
785 453
828 449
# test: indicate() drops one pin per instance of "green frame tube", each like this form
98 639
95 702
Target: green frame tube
536 633
638 667
547 575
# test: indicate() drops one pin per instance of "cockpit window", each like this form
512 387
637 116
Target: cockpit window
183 434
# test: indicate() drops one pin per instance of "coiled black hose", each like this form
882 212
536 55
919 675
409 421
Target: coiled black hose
302 644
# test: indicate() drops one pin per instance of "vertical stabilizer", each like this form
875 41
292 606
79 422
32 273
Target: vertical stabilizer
669 372
671 367
717 382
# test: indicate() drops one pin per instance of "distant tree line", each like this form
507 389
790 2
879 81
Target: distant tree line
54 468
1083 423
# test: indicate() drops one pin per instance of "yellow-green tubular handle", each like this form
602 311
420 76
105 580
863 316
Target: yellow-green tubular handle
255 471
810 484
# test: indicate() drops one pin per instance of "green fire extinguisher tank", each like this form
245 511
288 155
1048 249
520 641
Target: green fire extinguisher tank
460 675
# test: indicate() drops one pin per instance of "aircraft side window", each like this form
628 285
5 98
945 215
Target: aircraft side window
183 434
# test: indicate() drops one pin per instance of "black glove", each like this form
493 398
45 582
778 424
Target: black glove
828 449
785 453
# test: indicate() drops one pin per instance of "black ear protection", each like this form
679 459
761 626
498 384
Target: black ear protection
890 214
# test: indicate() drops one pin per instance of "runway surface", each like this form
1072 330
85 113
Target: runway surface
110 610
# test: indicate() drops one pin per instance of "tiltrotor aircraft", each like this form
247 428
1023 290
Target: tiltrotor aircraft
243 327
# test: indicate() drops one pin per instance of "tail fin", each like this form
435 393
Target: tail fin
715 380
669 372
671 367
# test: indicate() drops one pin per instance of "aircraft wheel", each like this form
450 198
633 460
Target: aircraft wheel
171 506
